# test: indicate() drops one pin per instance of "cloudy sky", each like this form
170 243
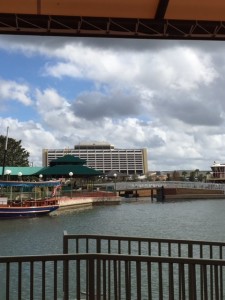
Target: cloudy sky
167 96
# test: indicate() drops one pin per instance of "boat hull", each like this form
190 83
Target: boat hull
26 212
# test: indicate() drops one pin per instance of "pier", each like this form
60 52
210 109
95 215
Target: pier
170 191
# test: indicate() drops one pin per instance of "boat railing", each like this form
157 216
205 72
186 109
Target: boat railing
31 202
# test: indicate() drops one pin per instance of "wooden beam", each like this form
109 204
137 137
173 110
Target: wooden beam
161 9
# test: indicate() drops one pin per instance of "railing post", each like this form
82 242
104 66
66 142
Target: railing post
192 282
91 279
65 279
65 268
65 242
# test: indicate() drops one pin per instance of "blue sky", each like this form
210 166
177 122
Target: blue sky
167 96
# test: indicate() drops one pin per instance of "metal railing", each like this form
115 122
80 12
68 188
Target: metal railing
109 276
167 184
118 268
73 243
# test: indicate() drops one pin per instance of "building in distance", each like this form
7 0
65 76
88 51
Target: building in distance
104 157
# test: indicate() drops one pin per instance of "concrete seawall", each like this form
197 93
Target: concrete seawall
77 202
174 193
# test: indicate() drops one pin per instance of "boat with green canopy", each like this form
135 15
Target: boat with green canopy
21 199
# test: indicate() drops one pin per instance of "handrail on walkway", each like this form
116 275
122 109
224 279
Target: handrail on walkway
110 276
78 243
117 267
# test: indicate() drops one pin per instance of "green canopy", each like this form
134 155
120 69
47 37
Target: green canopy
64 170
62 166
67 160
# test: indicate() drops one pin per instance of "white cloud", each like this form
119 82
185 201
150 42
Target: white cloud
11 90
168 99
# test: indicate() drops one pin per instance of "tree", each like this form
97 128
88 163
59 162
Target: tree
16 155
192 176
184 174
176 176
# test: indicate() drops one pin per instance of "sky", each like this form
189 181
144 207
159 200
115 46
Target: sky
166 96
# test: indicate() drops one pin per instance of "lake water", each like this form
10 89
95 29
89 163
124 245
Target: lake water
197 219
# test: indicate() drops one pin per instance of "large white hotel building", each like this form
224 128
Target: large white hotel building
104 157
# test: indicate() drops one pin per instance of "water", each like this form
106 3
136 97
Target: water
198 220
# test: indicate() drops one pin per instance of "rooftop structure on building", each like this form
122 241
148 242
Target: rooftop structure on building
94 145
218 173
104 157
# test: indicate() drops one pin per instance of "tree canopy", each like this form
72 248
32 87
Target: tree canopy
16 155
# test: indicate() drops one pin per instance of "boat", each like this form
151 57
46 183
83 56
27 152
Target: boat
27 199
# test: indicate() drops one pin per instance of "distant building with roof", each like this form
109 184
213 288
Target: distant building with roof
104 157
66 165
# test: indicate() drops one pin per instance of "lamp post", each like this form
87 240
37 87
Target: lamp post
8 172
40 177
20 176
115 176
71 175
21 189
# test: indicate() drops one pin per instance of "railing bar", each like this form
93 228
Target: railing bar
43 280
149 248
7 281
160 280
77 245
65 243
91 279
119 279
98 245
127 280
190 250
20 281
149 273
55 281
138 278
211 251
87 277
221 251
129 247
115 279
171 282
109 279
211 282
65 279
109 246
169 249
182 293
98 266
179 249
201 251
78 288
201 283
139 247
104 280
31 280
87 245
216 282
221 283
159 248
205 283
119 246
192 282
